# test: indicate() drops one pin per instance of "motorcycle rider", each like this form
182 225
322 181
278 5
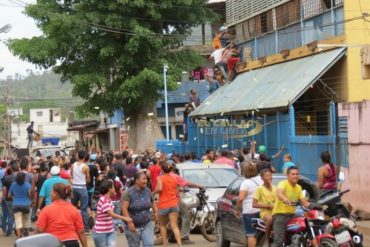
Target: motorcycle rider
289 192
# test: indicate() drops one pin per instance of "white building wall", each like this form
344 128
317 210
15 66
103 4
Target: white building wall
19 133
45 115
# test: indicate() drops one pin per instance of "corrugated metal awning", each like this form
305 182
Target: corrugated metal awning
275 86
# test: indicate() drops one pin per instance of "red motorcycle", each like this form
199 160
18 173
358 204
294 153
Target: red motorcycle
301 231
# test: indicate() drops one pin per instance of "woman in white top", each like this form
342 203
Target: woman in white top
246 191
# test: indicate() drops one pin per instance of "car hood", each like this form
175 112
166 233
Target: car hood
215 193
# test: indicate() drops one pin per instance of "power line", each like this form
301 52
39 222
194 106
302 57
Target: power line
191 37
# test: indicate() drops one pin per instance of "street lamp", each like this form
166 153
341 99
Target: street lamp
5 28
165 67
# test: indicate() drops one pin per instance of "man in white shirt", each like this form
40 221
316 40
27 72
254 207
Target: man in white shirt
217 56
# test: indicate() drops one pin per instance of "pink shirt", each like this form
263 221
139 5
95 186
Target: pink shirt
224 160
104 222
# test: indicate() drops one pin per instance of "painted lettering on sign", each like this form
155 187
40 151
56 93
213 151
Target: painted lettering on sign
234 128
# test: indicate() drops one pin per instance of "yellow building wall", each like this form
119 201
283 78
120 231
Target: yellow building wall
357 32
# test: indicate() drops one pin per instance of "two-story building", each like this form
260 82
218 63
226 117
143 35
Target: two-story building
47 122
301 61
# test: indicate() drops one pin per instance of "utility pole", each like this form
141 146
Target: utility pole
165 67
7 130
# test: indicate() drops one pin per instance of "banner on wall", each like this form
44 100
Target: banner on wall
232 128
179 114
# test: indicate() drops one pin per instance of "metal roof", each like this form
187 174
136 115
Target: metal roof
275 86
182 93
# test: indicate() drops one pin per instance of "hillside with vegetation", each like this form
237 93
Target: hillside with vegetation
44 90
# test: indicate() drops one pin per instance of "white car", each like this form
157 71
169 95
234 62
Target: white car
214 177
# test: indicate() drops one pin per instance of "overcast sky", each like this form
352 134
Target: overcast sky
22 27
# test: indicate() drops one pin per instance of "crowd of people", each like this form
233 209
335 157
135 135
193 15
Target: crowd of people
118 192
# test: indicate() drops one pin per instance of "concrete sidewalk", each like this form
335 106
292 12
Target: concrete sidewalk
364 228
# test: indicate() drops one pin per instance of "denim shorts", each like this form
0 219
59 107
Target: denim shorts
167 211
247 222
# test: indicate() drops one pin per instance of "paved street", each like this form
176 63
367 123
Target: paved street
197 238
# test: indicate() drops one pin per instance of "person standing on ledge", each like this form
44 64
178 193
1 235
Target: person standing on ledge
30 132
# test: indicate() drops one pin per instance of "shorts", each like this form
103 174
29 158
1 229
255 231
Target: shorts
167 211
21 220
247 222
231 63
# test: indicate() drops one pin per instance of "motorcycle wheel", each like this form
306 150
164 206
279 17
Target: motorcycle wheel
327 242
208 228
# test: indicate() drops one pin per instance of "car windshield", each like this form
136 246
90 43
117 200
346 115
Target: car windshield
211 178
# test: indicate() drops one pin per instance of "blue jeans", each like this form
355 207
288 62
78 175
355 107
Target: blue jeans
80 194
30 140
8 218
104 239
117 210
143 234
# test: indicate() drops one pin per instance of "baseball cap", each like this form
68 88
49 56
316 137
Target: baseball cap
55 170
37 159
223 28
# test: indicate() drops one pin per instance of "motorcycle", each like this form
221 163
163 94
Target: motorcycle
343 223
201 213
301 230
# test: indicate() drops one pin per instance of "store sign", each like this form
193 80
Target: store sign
232 128
179 114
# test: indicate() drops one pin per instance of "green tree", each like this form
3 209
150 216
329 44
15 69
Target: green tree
113 51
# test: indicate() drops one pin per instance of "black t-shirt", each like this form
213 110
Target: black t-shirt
120 170
8 182
30 129
262 165
94 173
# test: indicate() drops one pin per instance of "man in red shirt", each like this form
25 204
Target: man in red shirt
154 170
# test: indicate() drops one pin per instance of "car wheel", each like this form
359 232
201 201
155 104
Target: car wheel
221 241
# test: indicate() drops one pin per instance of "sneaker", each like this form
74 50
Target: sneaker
88 232
120 228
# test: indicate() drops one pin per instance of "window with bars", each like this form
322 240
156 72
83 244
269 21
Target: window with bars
260 18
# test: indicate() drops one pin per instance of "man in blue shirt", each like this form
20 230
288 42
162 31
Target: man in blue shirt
47 187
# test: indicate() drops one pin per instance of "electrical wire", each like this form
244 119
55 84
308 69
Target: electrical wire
191 37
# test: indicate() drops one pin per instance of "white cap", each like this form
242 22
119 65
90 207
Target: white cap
223 29
55 170
37 159
158 155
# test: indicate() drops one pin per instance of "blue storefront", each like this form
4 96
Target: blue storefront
279 105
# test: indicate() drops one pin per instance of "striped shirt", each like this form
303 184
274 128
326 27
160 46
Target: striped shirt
104 222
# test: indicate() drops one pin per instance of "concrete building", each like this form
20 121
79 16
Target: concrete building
47 122
303 77
176 102
46 115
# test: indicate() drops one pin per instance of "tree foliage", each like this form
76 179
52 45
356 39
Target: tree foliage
113 51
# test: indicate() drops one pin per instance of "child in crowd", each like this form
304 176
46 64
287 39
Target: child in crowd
287 163
264 198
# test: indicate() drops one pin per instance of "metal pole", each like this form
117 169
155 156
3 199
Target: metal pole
165 101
